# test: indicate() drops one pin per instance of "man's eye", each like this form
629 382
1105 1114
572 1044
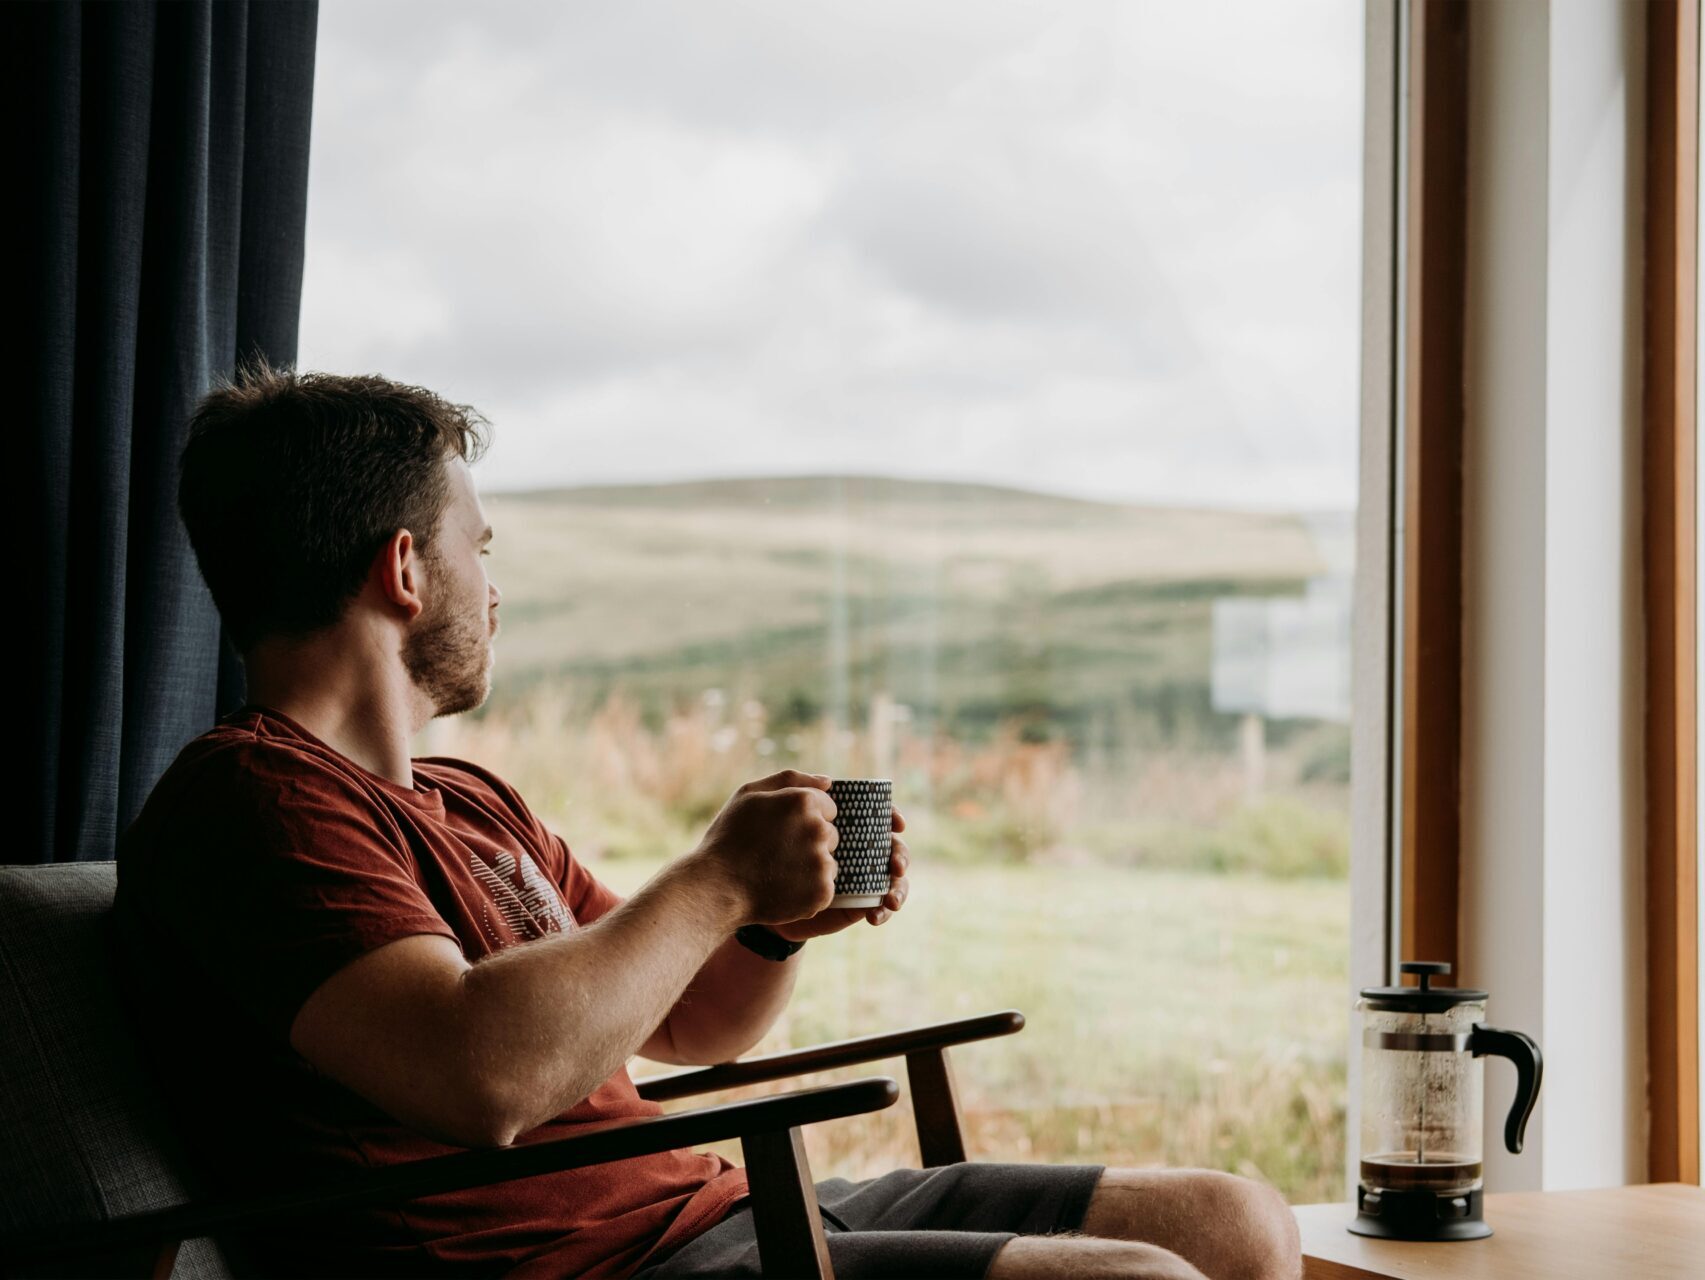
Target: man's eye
484 552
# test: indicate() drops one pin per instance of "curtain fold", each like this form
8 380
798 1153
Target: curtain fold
159 162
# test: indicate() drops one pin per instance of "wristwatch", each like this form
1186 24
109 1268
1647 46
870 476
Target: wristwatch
765 941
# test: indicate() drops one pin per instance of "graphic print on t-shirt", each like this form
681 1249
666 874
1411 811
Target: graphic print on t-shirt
535 910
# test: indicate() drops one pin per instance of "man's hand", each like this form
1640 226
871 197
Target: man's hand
772 845
736 997
834 919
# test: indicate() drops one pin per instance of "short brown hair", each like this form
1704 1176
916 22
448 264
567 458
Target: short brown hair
290 483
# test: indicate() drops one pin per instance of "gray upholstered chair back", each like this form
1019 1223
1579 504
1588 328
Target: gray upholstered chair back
82 1132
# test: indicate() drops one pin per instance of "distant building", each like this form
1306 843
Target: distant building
1287 656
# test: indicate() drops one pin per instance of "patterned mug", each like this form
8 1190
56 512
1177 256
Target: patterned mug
864 815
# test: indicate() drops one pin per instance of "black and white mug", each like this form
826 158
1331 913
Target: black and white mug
864 815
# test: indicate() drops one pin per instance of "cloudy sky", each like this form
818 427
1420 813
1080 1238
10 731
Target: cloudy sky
1108 248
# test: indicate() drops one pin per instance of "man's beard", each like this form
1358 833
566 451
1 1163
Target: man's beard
447 650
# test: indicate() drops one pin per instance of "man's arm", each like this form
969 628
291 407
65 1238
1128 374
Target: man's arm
780 826
552 1019
727 1007
735 998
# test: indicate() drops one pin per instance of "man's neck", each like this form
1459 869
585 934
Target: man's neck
369 712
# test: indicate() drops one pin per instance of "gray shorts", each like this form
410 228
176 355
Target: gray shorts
912 1223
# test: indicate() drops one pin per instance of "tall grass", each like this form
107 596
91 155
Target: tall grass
620 787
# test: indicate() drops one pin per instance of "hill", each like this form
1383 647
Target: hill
966 602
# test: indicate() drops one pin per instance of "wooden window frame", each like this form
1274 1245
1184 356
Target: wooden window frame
1435 265
1669 461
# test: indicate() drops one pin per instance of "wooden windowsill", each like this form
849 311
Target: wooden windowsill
1652 1232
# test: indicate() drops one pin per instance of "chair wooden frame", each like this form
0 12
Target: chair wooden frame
784 1203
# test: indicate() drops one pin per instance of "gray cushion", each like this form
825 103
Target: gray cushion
83 1135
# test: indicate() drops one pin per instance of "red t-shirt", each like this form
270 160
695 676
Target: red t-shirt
262 863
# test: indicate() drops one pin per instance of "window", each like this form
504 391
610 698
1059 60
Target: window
959 394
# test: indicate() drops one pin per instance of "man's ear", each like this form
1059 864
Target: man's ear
397 571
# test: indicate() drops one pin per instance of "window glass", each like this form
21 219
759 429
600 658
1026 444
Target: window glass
960 394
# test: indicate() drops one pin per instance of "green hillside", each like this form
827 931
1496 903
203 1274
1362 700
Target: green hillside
969 603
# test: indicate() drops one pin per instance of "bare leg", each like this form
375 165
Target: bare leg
1083 1257
1230 1228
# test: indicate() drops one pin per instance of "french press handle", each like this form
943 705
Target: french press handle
1521 1050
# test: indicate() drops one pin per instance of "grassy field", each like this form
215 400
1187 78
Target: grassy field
1033 673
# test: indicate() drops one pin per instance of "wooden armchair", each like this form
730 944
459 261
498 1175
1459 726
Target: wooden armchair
784 1206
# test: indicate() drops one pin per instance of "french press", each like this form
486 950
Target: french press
1421 1107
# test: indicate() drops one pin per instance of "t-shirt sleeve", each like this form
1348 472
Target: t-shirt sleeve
587 896
277 872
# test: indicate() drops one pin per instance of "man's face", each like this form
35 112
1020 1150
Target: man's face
448 651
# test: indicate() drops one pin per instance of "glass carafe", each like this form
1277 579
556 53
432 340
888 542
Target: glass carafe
1422 1091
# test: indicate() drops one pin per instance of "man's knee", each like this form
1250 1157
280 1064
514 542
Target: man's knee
1069 1253
1231 1228
1257 1227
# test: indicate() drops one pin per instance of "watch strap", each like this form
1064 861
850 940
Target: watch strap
765 941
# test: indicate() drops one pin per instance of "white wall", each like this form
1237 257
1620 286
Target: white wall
1552 900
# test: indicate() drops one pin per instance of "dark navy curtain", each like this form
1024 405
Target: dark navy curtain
157 168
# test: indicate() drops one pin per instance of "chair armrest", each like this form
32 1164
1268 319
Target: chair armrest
838 1053
595 1144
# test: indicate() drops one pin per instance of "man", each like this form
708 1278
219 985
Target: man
342 957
